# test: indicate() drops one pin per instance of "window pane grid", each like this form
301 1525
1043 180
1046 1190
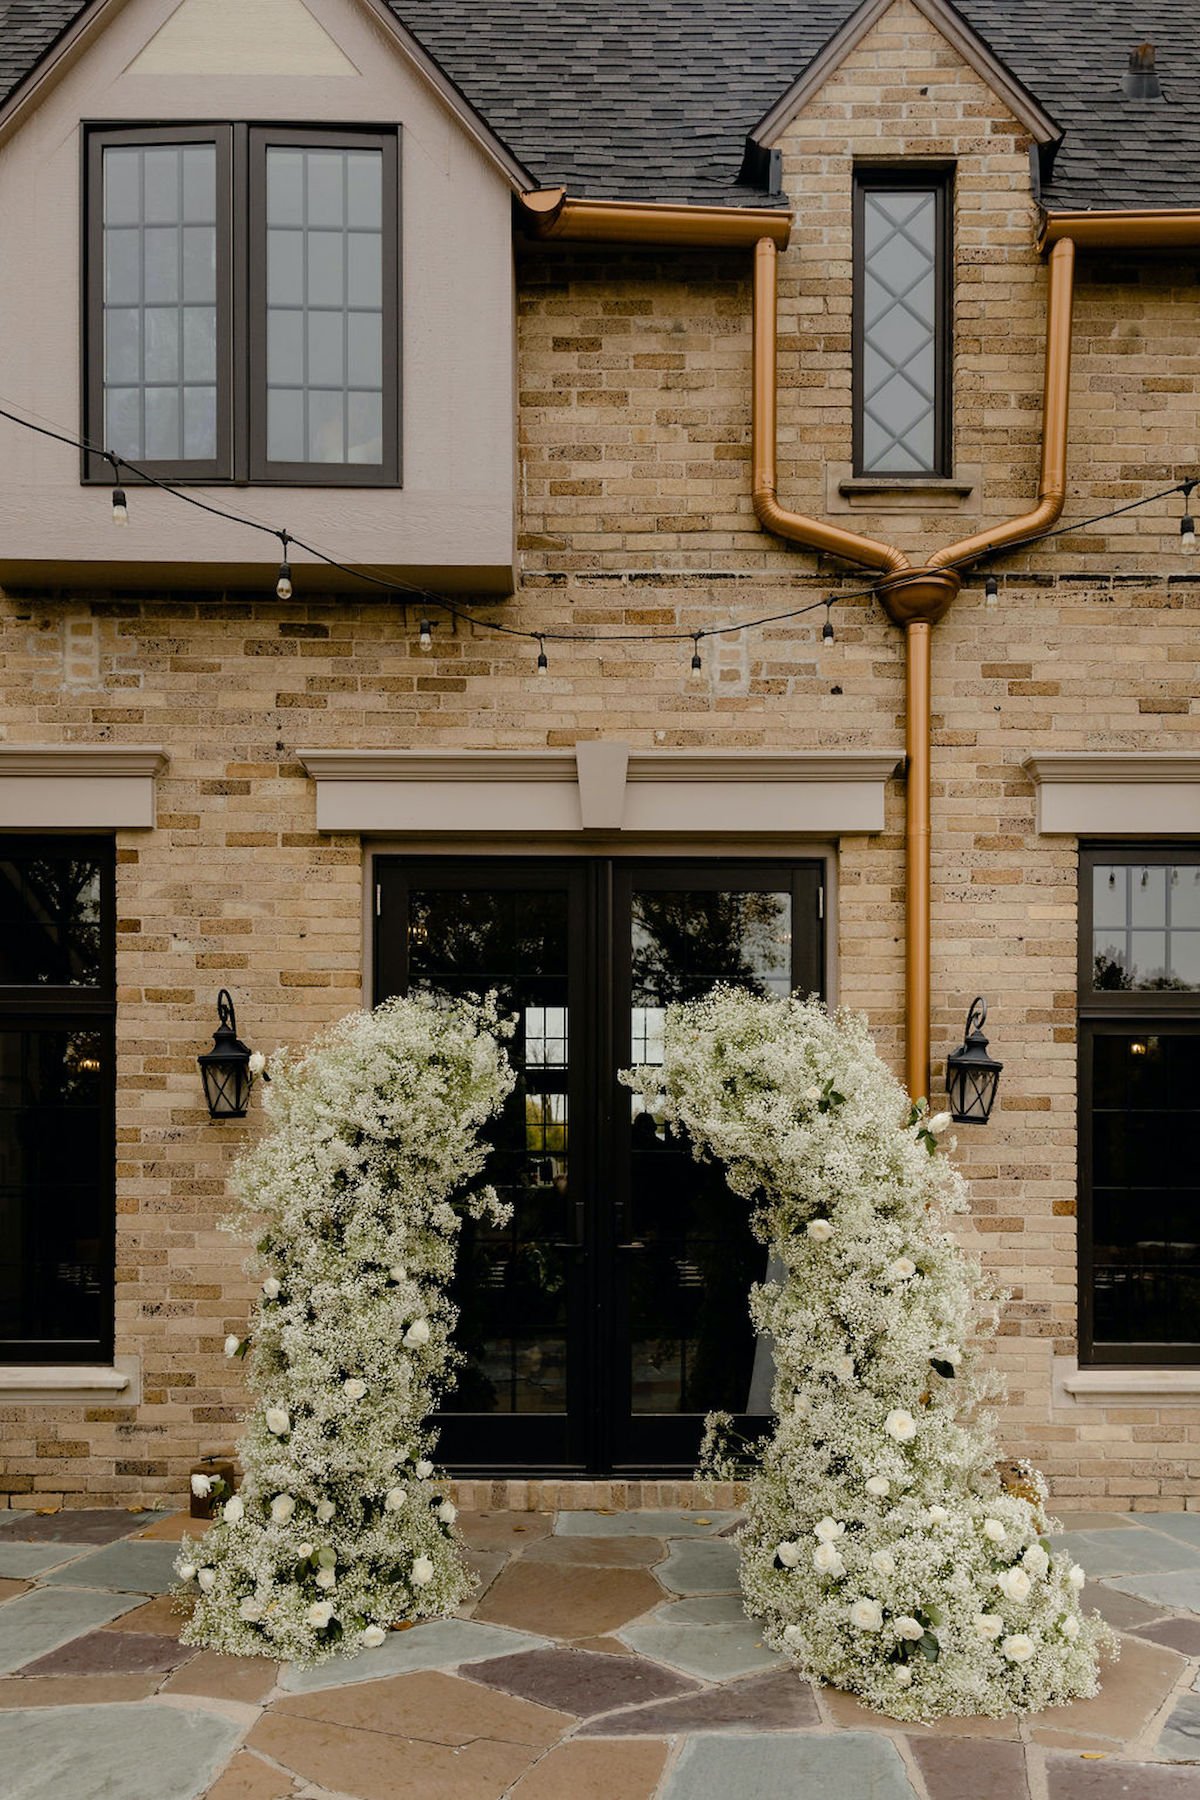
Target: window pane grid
900 351
324 305
1145 927
159 301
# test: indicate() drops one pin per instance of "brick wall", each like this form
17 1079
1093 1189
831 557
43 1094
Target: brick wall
635 513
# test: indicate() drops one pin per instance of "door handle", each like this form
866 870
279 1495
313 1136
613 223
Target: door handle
633 1244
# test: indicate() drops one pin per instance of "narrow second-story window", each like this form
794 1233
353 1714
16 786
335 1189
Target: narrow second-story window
902 323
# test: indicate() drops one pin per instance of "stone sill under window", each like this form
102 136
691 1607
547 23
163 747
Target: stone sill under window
67 1381
1130 1384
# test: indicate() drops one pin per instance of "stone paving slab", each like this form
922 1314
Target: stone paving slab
610 1552
1178 1591
778 1701
714 1652
100 1525
21 1559
644 1524
580 1681
968 1769
1109 1553
164 1615
10 1589
374 1765
1180 1737
113 1653
587 1770
436 1708
1131 1692
1125 1611
244 1679
702 1609
567 1600
137 1752
701 1568
503 1530
770 1767
438 1644
248 1777
126 1568
75 1690
41 1620
1070 1779
1184 1526
850 1713
1177 1634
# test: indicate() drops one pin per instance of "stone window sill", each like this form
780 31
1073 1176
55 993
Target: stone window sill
63 1381
901 494
871 486
1128 1385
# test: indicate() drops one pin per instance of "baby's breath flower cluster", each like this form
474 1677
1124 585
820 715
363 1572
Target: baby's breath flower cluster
881 1550
353 1196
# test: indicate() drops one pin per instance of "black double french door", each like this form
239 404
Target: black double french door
609 1315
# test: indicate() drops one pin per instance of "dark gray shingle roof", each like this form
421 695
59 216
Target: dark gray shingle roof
652 99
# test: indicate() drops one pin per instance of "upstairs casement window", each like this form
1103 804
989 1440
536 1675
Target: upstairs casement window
243 304
902 323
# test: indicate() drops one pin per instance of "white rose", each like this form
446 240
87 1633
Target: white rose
812 1095
793 1637
879 1485
278 1420
938 1515
867 1615
257 1063
207 1579
354 1389
883 1562
326 1578
826 1561
801 1405
949 1353
398 1273
201 1486
820 1230
422 1572
994 1529
394 1499
988 1625
417 1334
843 1368
270 1288
424 1470
940 1122
1018 1648
1036 1560
788 1553
900 1425
325 1511
251 1609
233 1510
232 1344
304 1551
187 1571
282 1508
828 1530
1069 1627
1076 1576
903 1676
320 1613
1014 1583
908 1627
447 1512
903 1268
373 1636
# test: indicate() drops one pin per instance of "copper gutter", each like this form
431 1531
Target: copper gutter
1134 228
549 213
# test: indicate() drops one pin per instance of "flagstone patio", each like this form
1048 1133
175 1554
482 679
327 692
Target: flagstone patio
605 1656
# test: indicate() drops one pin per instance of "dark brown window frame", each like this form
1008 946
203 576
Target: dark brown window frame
937 178
1108 1010
241 298
31 1007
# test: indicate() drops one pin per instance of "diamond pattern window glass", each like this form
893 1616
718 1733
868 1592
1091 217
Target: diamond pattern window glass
901 335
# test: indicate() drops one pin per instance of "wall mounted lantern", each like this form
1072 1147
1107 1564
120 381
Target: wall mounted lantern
227 1068
972 1076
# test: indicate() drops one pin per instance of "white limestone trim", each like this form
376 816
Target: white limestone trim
56 787
600 786
1023 105
1128 1386
70 1381
1123 793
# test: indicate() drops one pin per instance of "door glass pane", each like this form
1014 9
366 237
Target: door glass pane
1146 927
55 1169
1145 1195
160 250
692 1258
324 305
511 1282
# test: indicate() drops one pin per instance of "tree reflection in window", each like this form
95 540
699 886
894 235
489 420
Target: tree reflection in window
49 922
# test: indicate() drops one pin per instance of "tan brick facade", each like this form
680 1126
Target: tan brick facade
634 512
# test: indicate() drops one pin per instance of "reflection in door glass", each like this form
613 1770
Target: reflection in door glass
693 1258
511 1282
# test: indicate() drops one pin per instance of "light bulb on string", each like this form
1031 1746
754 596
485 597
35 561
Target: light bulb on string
696 672
283 586
991 593
425 639
120 506
1187 525
827 632
542 664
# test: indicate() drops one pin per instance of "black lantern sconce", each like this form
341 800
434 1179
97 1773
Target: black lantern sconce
226 1069
972 1076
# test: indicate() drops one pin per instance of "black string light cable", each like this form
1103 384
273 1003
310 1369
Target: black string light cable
430 599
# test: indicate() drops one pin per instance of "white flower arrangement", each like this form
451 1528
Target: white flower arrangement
977 1616
354 1200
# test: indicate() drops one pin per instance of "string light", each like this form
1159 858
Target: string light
283 587
394 587
991 593
1187 525
425 640
696 672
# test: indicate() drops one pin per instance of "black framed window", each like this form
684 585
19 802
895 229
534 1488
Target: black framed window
1139 1104
57 1126
902 322
243 303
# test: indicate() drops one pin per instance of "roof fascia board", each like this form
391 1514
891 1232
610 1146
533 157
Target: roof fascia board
1123 228
87 25
954 28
